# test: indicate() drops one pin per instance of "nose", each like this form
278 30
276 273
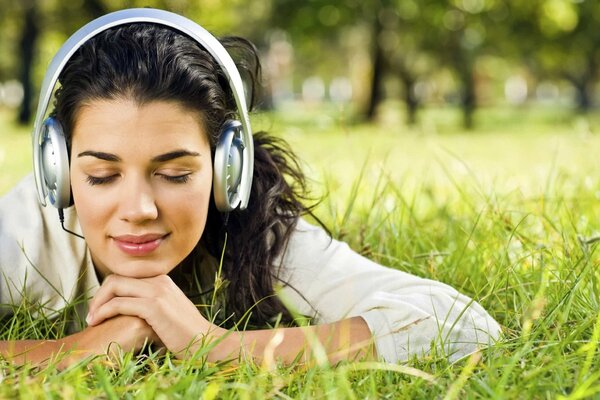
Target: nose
138 202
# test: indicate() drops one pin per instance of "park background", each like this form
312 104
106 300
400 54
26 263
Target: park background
456 140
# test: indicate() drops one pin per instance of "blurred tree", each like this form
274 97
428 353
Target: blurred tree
9 32
29 36
560 39
315 28
401 41
405 41
40 19
454 33
405 36
379 62
457 33
318 27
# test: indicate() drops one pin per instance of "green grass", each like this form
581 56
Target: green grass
509 214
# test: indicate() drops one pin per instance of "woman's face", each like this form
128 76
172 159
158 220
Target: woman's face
141 177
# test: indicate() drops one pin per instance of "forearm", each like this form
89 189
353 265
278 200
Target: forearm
349 339
122 333
32 351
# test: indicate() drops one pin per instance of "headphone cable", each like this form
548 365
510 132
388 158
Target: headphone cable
61 216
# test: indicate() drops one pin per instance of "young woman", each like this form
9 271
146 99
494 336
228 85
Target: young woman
142 104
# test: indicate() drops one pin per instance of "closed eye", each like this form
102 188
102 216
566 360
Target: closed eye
177 178
100 180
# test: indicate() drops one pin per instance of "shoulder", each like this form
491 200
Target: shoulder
311 248
308 237
21 216
36 255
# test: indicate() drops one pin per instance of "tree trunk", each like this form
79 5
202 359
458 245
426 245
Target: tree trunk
468 96
29 35
584 85
410 99
376 95
583 91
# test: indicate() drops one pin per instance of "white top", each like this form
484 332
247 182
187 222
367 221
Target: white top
405 313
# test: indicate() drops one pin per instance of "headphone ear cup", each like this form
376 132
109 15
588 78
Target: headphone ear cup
228 166
55 164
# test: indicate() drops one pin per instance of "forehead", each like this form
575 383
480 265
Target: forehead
120 125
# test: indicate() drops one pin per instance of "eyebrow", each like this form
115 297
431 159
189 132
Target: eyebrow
175 154
160 158
101 155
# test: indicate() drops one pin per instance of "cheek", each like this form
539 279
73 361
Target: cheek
92 208
190 224
188 212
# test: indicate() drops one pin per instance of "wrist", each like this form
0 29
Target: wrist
75 347
223 344
68 350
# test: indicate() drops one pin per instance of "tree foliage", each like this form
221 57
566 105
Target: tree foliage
406 42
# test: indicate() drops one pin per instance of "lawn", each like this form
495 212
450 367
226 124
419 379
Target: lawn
508 214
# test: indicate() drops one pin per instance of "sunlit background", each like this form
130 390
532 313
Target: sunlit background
358 53
503 86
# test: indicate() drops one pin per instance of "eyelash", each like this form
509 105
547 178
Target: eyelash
180 179
176 179
93 180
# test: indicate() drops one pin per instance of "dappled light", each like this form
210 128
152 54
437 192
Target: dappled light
467 54
452 140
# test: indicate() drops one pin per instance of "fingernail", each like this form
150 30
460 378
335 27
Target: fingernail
88 319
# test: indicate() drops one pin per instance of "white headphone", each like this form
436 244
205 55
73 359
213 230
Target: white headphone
234 154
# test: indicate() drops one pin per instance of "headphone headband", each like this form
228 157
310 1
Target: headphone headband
160 17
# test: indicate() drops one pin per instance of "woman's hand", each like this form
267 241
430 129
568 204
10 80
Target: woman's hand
121 332
180 326
159 302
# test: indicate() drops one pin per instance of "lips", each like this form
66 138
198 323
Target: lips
139 245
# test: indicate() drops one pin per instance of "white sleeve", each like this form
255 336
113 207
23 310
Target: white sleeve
37 258
405 313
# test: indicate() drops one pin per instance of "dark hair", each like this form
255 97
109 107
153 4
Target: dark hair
147 62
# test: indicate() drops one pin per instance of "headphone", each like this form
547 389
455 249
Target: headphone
234 153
